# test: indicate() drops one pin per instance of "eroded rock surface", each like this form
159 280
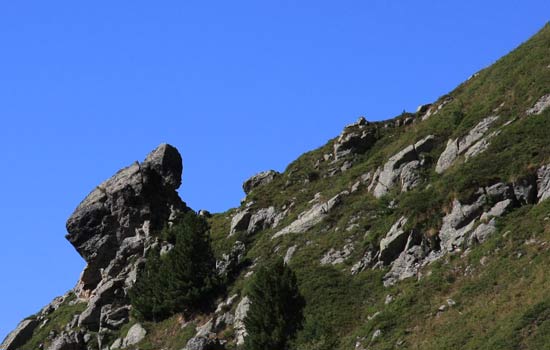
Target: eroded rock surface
259 179
542 104
356 138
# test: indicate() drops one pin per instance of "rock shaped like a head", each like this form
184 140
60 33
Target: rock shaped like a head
115 220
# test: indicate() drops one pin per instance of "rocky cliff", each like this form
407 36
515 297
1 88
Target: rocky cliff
429 230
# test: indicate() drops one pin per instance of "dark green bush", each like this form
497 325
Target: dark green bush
181 280
276 308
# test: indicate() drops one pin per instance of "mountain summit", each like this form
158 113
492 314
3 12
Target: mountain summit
429 230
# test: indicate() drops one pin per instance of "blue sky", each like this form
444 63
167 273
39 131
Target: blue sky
238 86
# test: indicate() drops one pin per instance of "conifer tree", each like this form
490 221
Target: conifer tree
276 307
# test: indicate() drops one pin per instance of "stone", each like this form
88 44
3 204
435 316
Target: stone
480 146
240 222
540 106
135 334
106 293
113 317
543 183
377 333
202 343
240 314
365 262
525 189
311 217
230 262
483 231
394 242
392 171
356 138
259 179
68 341
459 223
226 319
457 147
289 253
409 261
206 329
135 201
261 220
117 344
334 257
20 335
422 109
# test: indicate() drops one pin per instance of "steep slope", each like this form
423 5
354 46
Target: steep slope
429 230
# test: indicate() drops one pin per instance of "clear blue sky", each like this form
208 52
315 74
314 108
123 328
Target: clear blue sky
238 86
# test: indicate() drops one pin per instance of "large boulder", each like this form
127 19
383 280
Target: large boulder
356 138
393 244
259 179
20 335
402 168
459 146
240 315
137 200
135 334
459 223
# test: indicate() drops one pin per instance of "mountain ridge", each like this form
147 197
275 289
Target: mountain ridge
386 214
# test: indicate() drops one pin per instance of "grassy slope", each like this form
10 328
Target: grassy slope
502 303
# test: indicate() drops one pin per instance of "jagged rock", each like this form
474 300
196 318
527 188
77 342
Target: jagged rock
334 256
363 179
482 232
230 262
135 334
461 145
543 183
542 104
459 222
366 261
499 191
225 305
206 329
289 253
480 146
68 341
20 335
394 242
113 317
356 138
240 314
258 180
135 201
261 220
311 217
202 343
498 209
106 293
223 320
392 171
422 109
204 213
117 344
525 189
240 221
408 263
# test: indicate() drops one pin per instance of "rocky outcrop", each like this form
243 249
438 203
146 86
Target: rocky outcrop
459 146
334 257
240 315
231 261
312 217
356 138
259 179
366 261
542 104
543 183
136 201
289 254
68 341
459 222
240 221
394 242
402 168
135 334
20 335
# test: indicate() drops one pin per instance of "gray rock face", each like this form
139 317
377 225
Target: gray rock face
356 138
289 254
230 262
258 180
240 315
261 220
68 341
542 104
136 200
461 145
108 292
240 221
311 217
334 257
366 261
394 242
19 335
203 343
135 334
482 232
459 223
543 183
402 168
525 190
